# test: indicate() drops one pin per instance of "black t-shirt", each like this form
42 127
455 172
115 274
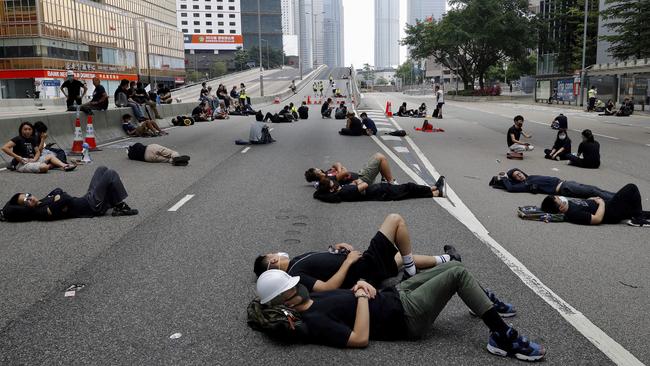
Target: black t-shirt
580 211
330 319
98 94
204 92
325 107
136 151
566 144
303 112
163 91
25 148
74 88
350 193
197 111
315 266
142 97
356 126
513 131
590 153
562 121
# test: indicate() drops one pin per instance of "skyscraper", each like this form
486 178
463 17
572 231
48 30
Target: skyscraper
386 33
333 31
318 34
305 31
423 9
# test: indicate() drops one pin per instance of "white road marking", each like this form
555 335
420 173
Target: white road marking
391 138
401 149
417 167
383 123
612 349
1 169
245 150
180 203
114 142
384 129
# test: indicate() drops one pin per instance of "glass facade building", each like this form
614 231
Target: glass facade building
109 39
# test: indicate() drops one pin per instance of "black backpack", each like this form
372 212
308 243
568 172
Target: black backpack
182 121
277 321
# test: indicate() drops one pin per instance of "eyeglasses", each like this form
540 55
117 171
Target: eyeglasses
26 200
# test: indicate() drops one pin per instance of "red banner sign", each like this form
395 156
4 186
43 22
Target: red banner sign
61 74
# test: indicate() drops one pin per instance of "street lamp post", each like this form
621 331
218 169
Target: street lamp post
259 46
584 52
268 59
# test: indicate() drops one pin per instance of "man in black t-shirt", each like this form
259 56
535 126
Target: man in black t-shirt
303 111
376 165
332 192
342 266
100 98
71 88
164 93
625 205
353 126
514 136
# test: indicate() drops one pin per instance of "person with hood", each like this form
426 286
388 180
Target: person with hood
560 122
561 149
105 191
515 180
588 152
332 192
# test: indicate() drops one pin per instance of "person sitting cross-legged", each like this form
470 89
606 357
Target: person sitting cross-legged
561 149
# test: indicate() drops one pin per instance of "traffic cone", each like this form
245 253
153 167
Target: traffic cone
77 148
90 134
309 99
276 100
389 113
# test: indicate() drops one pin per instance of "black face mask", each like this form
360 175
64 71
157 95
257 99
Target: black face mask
301 290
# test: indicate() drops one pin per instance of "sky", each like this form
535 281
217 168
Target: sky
359 31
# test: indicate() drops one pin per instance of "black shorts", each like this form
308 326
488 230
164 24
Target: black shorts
376 264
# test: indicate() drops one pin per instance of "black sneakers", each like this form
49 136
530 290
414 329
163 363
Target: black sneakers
122 209
452 252
639 222
441 186
180 160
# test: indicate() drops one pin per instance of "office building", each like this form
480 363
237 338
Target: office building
333 30
425 9
111 40
386 33
271 21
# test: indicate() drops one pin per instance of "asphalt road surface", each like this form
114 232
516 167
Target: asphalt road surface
189 272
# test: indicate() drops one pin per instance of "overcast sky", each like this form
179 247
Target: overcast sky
359 29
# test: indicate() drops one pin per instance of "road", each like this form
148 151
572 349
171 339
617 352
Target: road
189 271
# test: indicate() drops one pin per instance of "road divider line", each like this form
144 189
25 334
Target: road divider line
180 203
245 150
455 206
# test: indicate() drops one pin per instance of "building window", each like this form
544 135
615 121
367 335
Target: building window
232 24
219 23
231 15
208 23
220 30
184 30
208 7
195 6
219 15
183 14
208 15
208 31
219 7
231 8
184 22
197 23
196 15
197 31
183 6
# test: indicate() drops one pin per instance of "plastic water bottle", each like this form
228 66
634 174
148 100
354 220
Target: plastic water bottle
86 159
158 99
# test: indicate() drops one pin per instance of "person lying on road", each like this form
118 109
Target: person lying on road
377 164
625 205
155 153
332 192
105 191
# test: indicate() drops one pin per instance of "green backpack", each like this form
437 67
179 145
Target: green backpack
277 321
536 214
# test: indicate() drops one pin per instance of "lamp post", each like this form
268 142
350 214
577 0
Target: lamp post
259 46
584 52
268 59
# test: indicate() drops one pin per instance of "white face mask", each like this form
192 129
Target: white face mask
564 200
283 254
561 137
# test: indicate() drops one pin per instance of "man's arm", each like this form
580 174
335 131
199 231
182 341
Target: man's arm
8 149
337 279
63 90
554 154
85 90
361 331
362 186
597 218
515 187
514 140
102 99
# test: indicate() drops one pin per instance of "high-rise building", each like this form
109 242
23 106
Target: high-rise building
271 20
318 39
109 39
425 9
333 30
290 27
386 33
305 34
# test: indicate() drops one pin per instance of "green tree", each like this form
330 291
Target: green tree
629 21
473 36
271 57
513 70
218 68
368 73
241 58
408 73
381 81
194 76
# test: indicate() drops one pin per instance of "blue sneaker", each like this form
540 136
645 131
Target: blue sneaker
504 309
512 345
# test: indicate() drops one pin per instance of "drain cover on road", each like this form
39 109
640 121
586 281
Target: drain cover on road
292 232
299 224
292 241
281 217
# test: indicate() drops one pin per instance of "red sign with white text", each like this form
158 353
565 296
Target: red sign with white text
218 39
61 74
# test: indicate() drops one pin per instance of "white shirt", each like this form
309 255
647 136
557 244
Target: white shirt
440 96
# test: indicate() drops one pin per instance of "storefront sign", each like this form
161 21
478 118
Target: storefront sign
51 82
61 74
215 38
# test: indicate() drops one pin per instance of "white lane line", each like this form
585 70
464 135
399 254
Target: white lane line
1 169
114 142
245 150
180 203
384 129
417 167
401 149
390 138
383 123
612 349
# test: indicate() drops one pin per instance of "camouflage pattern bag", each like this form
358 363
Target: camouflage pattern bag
536 214
277 321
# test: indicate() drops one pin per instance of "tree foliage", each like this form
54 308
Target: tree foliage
629 21
408 73
368 73
241 58
218 68
473 36
512 70
271 57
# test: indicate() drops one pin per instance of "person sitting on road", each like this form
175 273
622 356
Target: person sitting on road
352 317
561 149
221 112
222 95
244 99
369 124
589 149
514 136
155 153
624 110
294 111
303 111
326 109
203 94
164 93
560 122
342 266
27 153
353 126
123 98
609 109
202 112
146 128
105 191
284 116
404 112
515 180
141 97
331 191
599 106
626 204
377 165
421 112
341 111
233 93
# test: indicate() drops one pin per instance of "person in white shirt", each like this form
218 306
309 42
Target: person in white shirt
440 100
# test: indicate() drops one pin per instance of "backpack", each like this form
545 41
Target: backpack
182 121
536 214
397 133
277 321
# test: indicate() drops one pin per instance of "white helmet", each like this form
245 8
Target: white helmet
274 282
70 73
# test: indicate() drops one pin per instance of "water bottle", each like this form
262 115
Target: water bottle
86 159
158 99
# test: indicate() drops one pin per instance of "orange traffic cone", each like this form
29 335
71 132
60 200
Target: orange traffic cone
389 113
309 99
276 100
77 144
90 134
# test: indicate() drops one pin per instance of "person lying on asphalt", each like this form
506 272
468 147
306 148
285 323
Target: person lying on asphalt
155 153
331 191
352 317
377 164
104 192
515 180
27 153
624 205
